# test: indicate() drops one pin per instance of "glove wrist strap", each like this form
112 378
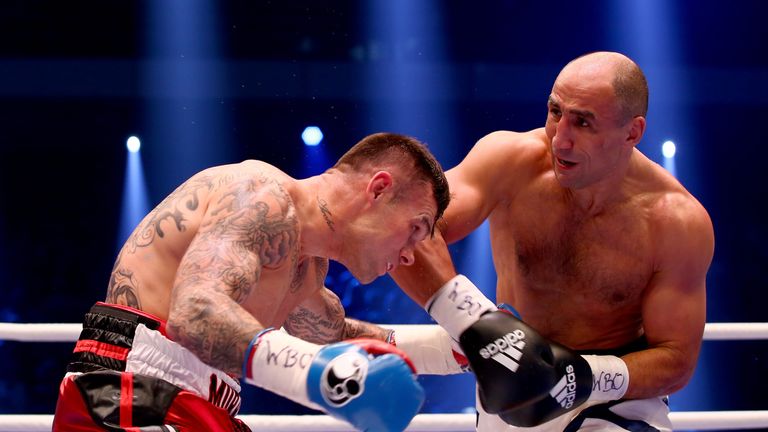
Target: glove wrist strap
280 363
457 305
429 347
610 378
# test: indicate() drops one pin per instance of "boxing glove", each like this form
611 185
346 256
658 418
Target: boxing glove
368 383
528 380
521 376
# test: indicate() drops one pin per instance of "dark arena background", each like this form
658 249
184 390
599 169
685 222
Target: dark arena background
207 83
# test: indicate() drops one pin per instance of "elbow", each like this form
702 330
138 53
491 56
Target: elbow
185 312
676 386
682 372
661 371
173 327
682 380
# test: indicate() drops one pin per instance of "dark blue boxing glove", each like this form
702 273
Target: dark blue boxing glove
368 383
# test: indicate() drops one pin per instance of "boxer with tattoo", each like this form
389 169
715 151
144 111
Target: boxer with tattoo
201 289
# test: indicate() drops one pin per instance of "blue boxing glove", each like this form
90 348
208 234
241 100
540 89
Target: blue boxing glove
366 382
374 393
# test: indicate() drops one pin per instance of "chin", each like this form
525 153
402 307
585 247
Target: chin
566 182
367 279
363 278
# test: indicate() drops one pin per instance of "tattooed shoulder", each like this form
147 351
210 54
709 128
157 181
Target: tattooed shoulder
248 227
260 215
123 287
172 213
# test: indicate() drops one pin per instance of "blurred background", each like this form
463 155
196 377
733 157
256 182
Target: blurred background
206 83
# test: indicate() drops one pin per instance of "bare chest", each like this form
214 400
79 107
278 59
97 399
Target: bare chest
280 290
544 252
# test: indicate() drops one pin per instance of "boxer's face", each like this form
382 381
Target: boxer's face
584 128
387 234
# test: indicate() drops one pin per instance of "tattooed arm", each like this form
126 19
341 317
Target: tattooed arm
320 319
361 329
241 232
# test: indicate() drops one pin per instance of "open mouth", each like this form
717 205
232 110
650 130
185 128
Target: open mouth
565 164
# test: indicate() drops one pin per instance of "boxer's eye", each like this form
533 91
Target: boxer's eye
419 232
421 228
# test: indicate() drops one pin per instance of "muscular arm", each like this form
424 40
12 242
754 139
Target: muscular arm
476 188
320 319
674 307
241 232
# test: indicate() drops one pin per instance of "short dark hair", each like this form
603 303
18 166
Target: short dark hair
400 151
631 90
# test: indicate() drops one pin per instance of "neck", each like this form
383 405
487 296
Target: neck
609 191
322 216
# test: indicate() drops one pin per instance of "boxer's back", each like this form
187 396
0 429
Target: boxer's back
145 268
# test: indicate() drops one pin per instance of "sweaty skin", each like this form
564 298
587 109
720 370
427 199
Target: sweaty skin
593 243
238 248
590 269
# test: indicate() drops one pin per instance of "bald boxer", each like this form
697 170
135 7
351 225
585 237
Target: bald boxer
200 288
603 253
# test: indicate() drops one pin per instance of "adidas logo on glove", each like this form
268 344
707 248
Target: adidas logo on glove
564 391
506 350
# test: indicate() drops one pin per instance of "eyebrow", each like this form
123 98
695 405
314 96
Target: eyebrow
580 113
430 227
552 101
583 113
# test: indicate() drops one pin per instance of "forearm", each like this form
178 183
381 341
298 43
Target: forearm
330 327
360 329
432 268
657 371
428 346
320 328
215 328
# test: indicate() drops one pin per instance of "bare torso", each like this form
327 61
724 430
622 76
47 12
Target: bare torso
145 270
578 278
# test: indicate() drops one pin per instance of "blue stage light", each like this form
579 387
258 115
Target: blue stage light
135 195
668 149
133 144
312 135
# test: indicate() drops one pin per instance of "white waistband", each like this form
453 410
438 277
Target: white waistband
155 355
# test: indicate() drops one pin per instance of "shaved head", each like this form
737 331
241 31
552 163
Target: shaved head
626 78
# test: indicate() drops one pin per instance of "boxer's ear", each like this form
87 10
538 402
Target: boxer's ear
380 183
635 130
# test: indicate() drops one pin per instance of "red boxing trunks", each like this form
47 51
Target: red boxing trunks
126 375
